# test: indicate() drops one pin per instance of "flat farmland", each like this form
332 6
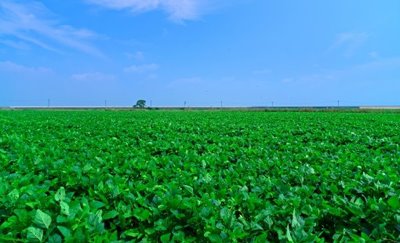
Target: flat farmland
199 176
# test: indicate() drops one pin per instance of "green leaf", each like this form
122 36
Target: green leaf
60 194
56 238
165 237
261 238
9 223
213 237
142 214
288 235
64 231
134 233
179 236
111 214
97 204
295 222
24 217
35 234
188 188
4 238
32 205
42 219
95 222
225 214
61 219
95 218
64 208
13 195
394 202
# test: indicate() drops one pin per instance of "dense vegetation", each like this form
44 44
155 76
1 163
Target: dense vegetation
102 176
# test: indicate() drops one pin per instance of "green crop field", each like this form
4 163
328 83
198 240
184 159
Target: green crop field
199 176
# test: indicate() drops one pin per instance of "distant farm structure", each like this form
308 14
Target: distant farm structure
240 108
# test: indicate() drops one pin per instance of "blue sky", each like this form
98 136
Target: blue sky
240 52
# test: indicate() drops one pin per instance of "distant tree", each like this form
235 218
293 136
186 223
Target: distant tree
140 104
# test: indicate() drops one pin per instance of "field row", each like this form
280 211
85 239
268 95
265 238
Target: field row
199 176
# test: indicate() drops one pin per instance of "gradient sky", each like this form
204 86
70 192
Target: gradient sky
240 52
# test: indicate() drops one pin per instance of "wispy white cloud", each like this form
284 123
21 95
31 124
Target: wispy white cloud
145 68
32 23
15 44
374 54
367 69
177 10
378 64
8 66
95 76
349 42
188 81
137 56
288 80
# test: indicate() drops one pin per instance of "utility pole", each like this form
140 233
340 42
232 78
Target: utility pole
221 103
338 103
184 104
272 104
105 104
48 103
